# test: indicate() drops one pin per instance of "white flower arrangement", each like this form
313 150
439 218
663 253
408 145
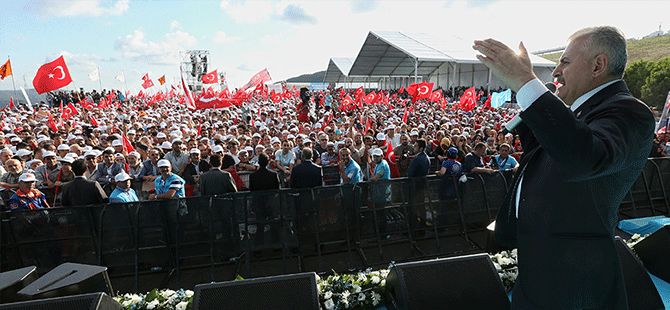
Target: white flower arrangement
363 290
157 299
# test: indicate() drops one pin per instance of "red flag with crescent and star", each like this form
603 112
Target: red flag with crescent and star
51 76
468 99
436 96
147 81
423 90
94 122
52 124
210 78
69 111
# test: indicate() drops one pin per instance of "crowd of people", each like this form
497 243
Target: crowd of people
122 148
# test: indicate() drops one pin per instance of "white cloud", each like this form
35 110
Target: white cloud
247 11
272 39
175 24
137 47
70 8
221 38
77 62
296 14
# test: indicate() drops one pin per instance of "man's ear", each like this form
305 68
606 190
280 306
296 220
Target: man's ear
600 63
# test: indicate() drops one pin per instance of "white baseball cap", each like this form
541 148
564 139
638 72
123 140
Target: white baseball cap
164 163
27 177
377 152
122 176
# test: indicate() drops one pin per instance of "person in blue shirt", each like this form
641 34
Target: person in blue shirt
350 171
504 161
123 193
381 193
27 197
168 185
450 170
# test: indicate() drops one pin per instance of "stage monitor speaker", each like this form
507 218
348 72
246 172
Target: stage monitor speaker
640 289
93 301
654 252
11 282
463 282
69 279
295 291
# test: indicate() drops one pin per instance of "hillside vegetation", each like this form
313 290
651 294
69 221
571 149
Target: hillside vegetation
650 49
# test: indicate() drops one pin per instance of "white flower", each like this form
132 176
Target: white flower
514 252
329 304
152 304
181 306
361 277
189 293
375 279
383 283
361 297
328 295
374 273
345 295
376 298
167 293
336 278
357 289
498 268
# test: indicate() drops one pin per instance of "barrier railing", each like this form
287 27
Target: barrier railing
365 224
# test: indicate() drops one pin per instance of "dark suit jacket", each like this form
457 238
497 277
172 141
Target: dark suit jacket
306 174
81 192
577 167
263 180
189 171
216 182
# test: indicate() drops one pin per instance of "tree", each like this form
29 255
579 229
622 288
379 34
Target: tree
636 76
657 84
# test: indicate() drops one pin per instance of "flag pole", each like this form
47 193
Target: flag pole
13 84
99 78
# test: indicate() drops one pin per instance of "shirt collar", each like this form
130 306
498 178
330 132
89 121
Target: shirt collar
589 94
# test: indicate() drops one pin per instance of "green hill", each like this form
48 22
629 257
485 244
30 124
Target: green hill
650 49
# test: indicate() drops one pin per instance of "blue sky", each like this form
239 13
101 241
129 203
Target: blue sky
288 38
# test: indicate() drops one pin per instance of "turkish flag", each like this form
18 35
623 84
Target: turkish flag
210 78
94 122
69 111
371 98
436 96
51 76
468 99
225 93
52 124
359 92
390 158
127 146
288 94
402 89
411 89
147 81
190 102
346 102
404 117
423 90
11 103
276 98
87 104
367 124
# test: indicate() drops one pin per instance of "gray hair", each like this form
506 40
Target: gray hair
606 40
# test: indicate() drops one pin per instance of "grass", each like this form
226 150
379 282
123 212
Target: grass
650 49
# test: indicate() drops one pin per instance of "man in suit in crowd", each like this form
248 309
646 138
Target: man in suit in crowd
81 191
216 181
107 170
578 164
263 179
306 174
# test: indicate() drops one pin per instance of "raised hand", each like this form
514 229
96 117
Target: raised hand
511 68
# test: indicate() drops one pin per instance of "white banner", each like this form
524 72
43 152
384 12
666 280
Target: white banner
95 75
121 77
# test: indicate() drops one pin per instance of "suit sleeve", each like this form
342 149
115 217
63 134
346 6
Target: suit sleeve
616 129
102 196
65 198
231 183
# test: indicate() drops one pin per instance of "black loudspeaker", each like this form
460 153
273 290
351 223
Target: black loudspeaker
465 282
295 291
94 301
640 290
69 279
654 251
11 282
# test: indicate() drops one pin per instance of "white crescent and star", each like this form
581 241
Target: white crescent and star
423 89
62 73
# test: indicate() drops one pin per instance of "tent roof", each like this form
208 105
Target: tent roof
392 53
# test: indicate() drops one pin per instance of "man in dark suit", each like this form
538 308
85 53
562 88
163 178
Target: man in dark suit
306 174
263 179
216 181
82 192
107 170
578 164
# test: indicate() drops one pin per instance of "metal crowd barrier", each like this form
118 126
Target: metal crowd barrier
316 229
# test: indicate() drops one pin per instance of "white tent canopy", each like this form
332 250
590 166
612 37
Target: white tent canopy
398 59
